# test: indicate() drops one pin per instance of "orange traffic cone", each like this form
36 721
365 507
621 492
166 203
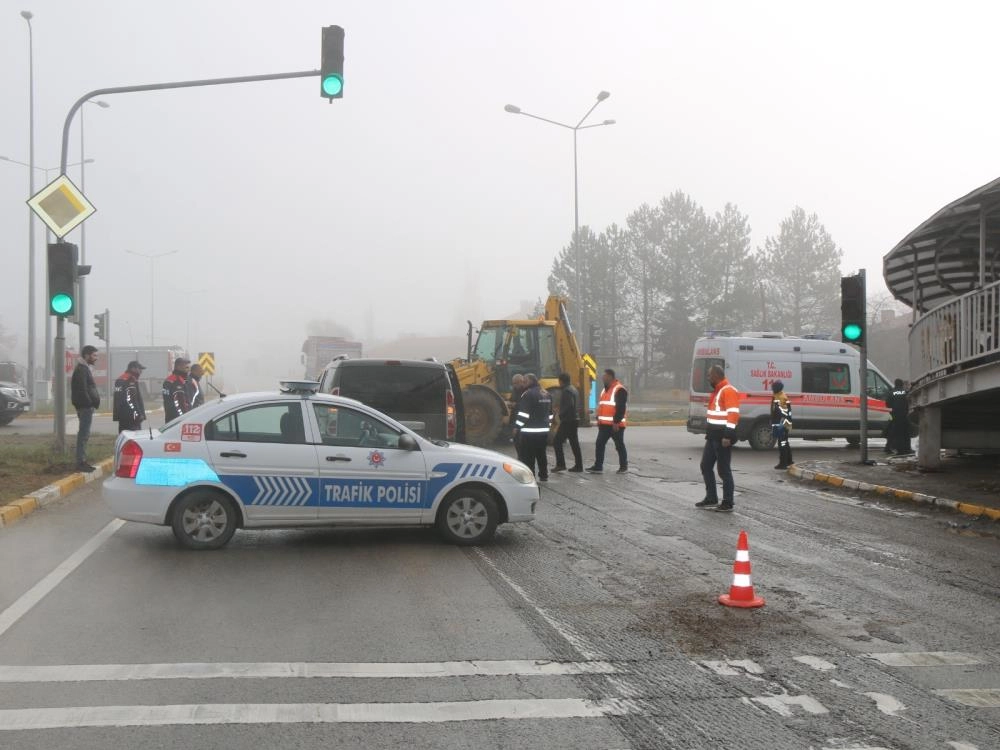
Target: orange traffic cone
741 592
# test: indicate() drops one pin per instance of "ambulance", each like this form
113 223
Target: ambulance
821 377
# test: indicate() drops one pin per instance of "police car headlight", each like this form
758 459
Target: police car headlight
519 473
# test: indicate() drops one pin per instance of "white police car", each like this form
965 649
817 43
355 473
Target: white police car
298 458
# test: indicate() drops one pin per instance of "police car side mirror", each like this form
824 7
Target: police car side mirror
408 442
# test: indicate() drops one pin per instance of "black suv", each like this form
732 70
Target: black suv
423 394
13 396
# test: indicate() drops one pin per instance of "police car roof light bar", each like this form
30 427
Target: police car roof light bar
304 387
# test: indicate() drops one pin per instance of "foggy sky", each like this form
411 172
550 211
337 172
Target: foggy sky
416 202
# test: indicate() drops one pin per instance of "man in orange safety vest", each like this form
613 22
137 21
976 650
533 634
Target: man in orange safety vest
611 420
722 417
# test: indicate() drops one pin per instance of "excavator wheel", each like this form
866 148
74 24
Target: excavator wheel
483 417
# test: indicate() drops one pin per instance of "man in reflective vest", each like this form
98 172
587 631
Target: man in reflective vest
531 427
722 417
611 421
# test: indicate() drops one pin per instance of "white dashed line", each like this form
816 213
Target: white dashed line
926 659
820 665
886 703
975 697
783 704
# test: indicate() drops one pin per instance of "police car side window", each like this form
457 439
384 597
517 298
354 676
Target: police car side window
267 423
346 427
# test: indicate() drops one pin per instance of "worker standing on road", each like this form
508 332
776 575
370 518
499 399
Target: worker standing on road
86 398
517 388
722 417
192 386
899 428
128 410
569 423
175 401
611 421
531 426
781 423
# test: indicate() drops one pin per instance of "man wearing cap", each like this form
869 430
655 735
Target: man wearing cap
128 410
175 401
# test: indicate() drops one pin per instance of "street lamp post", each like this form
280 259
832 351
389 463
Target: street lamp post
27 16
514 110
152 288
82 317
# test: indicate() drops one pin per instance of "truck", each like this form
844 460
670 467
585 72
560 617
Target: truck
319 351
545 346
13 395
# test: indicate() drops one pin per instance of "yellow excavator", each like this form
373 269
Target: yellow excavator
504 348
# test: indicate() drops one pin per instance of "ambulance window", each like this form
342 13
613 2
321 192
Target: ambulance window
266 423
826 377
699 373
348 428
878 387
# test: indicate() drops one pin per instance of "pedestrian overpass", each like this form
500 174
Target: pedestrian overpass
948 271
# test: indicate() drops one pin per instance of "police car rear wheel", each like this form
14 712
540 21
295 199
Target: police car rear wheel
468 517
204 520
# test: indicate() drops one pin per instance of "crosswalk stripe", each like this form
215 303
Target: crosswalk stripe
975 697
926 659
308 713
264 670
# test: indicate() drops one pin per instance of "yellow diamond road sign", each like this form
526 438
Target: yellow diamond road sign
61 205
207 362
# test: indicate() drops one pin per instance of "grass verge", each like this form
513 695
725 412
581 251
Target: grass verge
28 462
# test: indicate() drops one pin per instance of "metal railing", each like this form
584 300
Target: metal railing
956 335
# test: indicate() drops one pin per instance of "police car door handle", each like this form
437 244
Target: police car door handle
233 454
338 457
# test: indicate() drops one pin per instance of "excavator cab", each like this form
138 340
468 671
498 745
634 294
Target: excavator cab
512 350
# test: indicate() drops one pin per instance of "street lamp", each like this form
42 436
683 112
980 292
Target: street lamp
27 15
515 110
152 287
82 317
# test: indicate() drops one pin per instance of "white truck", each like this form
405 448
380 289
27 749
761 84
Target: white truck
821 378
319 351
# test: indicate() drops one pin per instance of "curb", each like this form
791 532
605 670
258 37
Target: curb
977 511
15 510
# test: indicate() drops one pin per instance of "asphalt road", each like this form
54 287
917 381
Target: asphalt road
595 627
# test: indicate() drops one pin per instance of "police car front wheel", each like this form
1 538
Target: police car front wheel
204 520
468 516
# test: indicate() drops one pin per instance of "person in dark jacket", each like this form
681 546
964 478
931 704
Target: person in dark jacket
129 411
899 428
569 423
532 422
781 423
517 388
175 401
192 387
86 398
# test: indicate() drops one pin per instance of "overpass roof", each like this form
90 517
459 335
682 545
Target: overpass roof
942 254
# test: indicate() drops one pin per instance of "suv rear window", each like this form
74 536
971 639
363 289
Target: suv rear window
396 389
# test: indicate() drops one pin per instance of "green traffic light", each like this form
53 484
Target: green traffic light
852 332
61 304
333 85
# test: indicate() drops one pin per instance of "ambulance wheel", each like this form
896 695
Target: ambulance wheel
204 519
468 516
761 438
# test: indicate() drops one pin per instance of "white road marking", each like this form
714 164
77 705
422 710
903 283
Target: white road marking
820 665
926 659
840 684
40 590
962 746
263 670
782 704
306 713
886 703
734 667
858 747
976 697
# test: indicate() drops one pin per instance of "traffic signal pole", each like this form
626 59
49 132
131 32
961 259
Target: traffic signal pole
863 374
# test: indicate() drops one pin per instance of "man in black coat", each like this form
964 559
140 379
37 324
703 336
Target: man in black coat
86 398
129 410
569 423
531 426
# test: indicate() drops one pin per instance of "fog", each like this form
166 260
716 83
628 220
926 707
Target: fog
415 202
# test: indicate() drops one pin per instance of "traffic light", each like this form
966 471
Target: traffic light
331 69
62 278
101 326
852 310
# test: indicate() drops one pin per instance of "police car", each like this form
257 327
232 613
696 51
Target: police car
301 458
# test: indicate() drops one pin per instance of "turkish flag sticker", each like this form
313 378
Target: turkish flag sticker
171 447
191 433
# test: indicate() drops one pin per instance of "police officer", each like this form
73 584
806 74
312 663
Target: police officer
517 388
175 400
899 429
531 426
781 423
192 386
128 410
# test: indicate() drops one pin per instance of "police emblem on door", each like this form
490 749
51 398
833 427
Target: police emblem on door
376 459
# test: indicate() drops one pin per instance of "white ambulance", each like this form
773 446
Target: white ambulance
821 377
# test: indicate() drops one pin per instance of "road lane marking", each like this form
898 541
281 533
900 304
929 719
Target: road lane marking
783 704
265 670
308 713
975 697
40 590
926 659
820 665
886 703
734 667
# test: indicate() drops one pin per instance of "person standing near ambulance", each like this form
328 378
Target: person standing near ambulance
781 423
722 417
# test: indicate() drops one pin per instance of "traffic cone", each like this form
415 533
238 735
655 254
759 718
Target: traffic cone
741 592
